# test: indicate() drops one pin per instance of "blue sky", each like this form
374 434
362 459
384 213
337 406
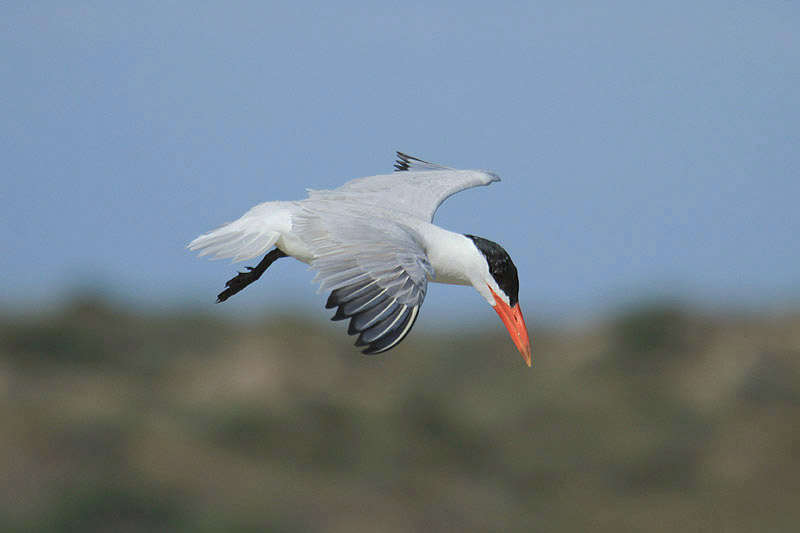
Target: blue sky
646 149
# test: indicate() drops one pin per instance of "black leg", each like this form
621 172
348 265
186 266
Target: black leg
243 279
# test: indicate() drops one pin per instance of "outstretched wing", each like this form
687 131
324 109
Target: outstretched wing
417 188
375 270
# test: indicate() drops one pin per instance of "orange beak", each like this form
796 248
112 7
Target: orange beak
515 324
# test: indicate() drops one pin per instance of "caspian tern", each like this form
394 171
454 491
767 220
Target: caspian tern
374 247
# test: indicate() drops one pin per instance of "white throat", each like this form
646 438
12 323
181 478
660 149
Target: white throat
456 260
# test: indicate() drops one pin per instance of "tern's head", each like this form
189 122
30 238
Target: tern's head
500 277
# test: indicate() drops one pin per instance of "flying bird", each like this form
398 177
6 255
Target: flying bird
374 247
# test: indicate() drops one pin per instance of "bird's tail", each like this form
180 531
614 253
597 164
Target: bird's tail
248 237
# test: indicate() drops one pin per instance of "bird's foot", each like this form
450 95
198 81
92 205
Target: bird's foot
243 279
234 285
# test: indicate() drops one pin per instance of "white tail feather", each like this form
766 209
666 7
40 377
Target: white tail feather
248 237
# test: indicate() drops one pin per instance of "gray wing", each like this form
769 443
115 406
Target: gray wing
418 187
375 270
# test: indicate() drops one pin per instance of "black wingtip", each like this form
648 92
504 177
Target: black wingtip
378 319
403 162
339 315
407 162
360 342
333 301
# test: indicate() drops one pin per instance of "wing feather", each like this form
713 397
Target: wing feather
417 190
410 163
345 294
395 335
375 269
377 314
377 329
365 302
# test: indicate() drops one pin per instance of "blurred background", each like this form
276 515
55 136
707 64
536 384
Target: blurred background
649 200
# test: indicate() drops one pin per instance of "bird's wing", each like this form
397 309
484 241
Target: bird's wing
374 268
417 188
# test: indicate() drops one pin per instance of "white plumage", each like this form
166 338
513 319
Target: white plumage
371 243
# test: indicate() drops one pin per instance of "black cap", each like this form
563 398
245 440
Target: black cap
501 267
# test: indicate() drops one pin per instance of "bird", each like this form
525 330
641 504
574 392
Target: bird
374 247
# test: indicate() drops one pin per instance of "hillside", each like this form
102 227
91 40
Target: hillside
658 420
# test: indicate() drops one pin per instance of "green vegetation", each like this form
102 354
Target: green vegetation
660 420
